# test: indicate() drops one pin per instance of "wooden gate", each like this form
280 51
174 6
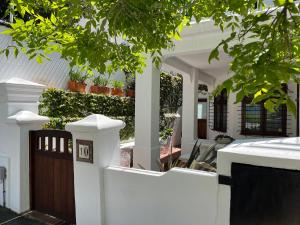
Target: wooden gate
51 174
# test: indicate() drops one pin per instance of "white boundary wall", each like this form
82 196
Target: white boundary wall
178 197
110 195
107 195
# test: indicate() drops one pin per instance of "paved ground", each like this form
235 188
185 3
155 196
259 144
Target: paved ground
7 215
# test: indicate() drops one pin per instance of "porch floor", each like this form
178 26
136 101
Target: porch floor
7 217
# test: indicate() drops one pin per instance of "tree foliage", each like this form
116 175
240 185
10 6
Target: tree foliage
110 35
265 50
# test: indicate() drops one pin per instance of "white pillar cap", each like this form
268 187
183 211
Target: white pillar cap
19 90
95 122
27 117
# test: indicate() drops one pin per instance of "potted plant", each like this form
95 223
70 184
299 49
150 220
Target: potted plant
100 86
130 89
77 81
117 88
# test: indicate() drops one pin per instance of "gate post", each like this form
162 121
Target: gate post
95 142
18 114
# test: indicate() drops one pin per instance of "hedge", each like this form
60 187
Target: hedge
63 106
170 98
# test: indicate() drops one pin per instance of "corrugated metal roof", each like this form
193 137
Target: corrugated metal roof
52 73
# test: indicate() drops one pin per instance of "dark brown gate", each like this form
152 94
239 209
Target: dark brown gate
51 174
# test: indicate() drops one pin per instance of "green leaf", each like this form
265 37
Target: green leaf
228 84
7 32
53 19
270 105
7 53
39 59
280 2
291 106
214 55
240 96
16 52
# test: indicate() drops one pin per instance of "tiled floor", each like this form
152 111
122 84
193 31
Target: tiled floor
8 217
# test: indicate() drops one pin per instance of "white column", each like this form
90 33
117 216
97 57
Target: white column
17 139
189 110
147 103
103 132
18 115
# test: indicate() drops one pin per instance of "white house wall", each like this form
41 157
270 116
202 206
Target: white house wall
234 117
53 73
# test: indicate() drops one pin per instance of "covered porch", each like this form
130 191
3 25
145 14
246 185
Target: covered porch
189 57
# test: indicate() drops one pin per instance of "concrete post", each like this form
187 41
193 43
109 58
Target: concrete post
17 134
18 114
189 111
147 103
103 133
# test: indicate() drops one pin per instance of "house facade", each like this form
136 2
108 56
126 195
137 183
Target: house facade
216 115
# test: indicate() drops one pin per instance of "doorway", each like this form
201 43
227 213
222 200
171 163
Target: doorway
202 118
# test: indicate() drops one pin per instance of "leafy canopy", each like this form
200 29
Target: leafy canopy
110 35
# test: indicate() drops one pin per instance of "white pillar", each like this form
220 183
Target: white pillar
17 138
147 103
189 111
18 115
103 132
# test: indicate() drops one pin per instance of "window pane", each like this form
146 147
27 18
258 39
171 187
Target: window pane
253 118
3 7
274 121
202 109
224 117
220 112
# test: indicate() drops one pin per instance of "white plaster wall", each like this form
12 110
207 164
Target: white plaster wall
178 197
5 162
9 153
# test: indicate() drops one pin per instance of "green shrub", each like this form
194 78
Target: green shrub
60 123
170 98
63 107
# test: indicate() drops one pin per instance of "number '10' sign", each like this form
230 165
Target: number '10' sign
84 151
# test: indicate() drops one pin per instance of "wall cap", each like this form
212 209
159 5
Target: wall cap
20 90
19 81
95 122
27 117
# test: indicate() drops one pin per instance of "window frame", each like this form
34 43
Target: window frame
222 102
263 120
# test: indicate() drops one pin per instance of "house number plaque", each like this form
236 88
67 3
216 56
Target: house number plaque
84 151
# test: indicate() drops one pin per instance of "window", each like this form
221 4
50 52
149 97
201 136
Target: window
256 120
3 8
220 112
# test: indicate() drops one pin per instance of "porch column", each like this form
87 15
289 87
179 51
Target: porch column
189 110
147 103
